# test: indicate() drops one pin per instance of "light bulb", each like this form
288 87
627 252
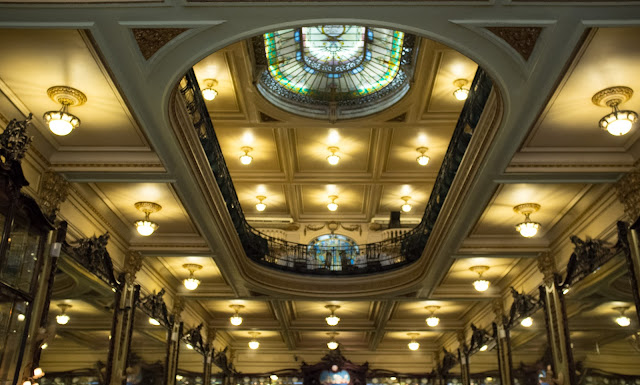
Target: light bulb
179 377
254 344
191 283
235 320
27 382
527 322
209 93
273 377
618 122
154 321
189 346
61 123
44 346
333 159
423 160
246 159
623 321
332 206
433 321
261 206
62 319
37 372
484 348
461 93
146 228
528 229
332 320
414 345
481 285
21 317
406 207
333 345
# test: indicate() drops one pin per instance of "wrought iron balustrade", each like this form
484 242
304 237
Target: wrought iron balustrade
367 258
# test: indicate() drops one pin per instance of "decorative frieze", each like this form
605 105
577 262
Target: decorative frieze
54 190
132 264
547 266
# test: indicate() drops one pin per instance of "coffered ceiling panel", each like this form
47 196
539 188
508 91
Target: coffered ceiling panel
261 140
415 310
275 199
403 154
391 194
34 60
452 66
216 66
351 199
305 310
252 309
555 200
311 147
208 273
459 273
571 119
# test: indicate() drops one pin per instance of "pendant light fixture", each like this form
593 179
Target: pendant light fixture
254 343
422 159
406 207
332 344
618 122
62 122
209 93
528 228
332 206
332 319
480 284
461 93
235 319
333 159
622 320
432 320
413 345
63 318
192 282
260 206
146 227
246 158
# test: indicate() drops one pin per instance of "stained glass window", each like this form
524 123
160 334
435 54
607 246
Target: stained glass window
333 251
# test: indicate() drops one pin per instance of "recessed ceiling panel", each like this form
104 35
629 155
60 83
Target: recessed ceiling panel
353 146
216 67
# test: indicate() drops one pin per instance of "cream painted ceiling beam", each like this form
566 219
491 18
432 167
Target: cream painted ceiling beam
383 316
279 310
551 176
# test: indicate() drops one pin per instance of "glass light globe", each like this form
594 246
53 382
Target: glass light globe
273 377
618 122
27 382
332 206
461 93
406 207
191 283
623 321
146 228
414 345
332 320
261 206
62 319
235 320
154 321
209 93
37 372
44 346
246 159
528 229
333 159
433 321
21 317
61 123
484 348
423 160
481 284
527 322
253 344
333 345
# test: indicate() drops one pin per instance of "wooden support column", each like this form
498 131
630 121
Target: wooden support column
437 366
556 320
628 189
173 343
503 344
208 356
463 359
127 296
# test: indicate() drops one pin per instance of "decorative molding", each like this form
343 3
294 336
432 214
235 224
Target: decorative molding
93 255
54 190
194 338
521 39
523 306
264 118
155 307
628 191
132 264
150 40
400 118
547 266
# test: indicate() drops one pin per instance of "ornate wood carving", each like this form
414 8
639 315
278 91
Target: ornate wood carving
54 190
523 306
479 338
220 360
547 266
330 362
194 338
93 255
153 305
628 189
448 361
150 40
521 39
14 142
132 264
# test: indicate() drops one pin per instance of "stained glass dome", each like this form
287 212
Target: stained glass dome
335 70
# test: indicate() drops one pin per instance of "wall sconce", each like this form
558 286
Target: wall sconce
62 122
422 159
332 319
618 122
192 282
480 284
145 227
432 320
406 207
254 343
333 159
260 206
246 158
461 93
235 319
332 206
63 318
208 92
413 345
527 228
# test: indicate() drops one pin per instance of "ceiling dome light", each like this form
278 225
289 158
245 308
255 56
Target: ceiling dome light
63 318
422 159
332 206
235 319
622 320
332 319
332 344
208 92
432 320
333 159
527 228
413 345
61 122
254 343
261 206
484 348
246 158
145 227
527 322
154 321
480 284
618 122
192 282
406 207
461 93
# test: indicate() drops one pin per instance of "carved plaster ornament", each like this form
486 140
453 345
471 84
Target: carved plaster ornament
628 191
498 310
132 264
151 40
547 267
54 190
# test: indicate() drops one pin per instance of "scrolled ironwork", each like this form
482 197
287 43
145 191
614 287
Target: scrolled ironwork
367 258
93 255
